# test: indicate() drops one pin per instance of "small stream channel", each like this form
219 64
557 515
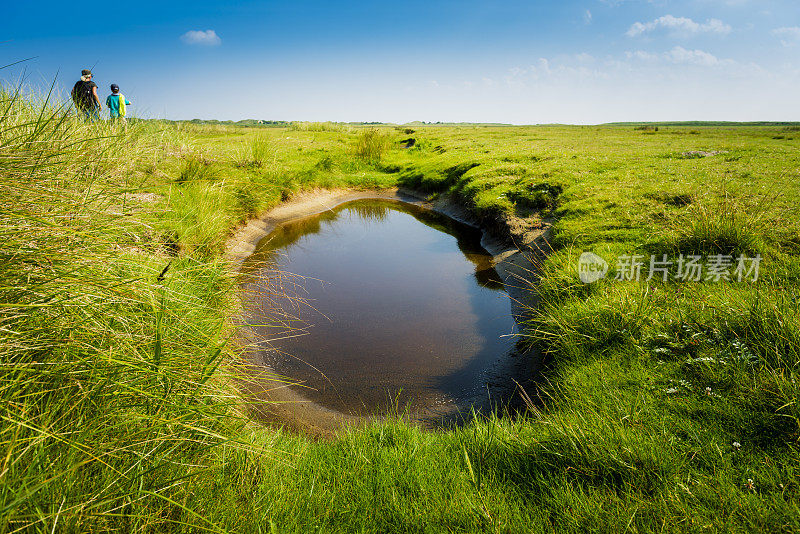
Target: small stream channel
381 306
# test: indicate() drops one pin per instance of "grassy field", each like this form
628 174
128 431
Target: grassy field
666 406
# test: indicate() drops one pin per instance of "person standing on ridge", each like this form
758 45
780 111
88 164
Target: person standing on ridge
84 95
117 105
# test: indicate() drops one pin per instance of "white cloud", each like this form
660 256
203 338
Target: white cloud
789 35
641 55
587 17
543 64
575 67
200 37
679 26
671 67
694 57
681 56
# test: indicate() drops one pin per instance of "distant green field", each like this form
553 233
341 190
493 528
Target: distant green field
665 406
764 124
274 123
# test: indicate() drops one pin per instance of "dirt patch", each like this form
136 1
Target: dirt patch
514 244
691 154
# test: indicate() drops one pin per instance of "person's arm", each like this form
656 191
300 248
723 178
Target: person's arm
96 98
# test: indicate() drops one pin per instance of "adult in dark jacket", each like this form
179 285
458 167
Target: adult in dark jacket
84 95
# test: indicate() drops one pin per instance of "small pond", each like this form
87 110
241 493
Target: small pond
379 306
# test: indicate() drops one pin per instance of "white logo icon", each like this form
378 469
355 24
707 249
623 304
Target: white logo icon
591 267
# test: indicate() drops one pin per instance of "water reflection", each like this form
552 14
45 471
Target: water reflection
387 303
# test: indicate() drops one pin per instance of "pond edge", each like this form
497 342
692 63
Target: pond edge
268 398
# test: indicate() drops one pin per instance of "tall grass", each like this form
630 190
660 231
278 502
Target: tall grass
195 169
372 144
301 126
108 354
256 153
726 228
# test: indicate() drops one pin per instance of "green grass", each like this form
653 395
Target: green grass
664 406
372 144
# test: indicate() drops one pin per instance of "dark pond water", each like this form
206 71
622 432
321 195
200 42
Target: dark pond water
392 307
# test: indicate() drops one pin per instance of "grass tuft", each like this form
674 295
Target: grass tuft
724 229
196 169
320 127
372 144
257 152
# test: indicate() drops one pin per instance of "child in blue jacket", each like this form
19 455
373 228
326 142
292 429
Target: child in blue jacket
117 104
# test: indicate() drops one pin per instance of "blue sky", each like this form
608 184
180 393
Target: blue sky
571 61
